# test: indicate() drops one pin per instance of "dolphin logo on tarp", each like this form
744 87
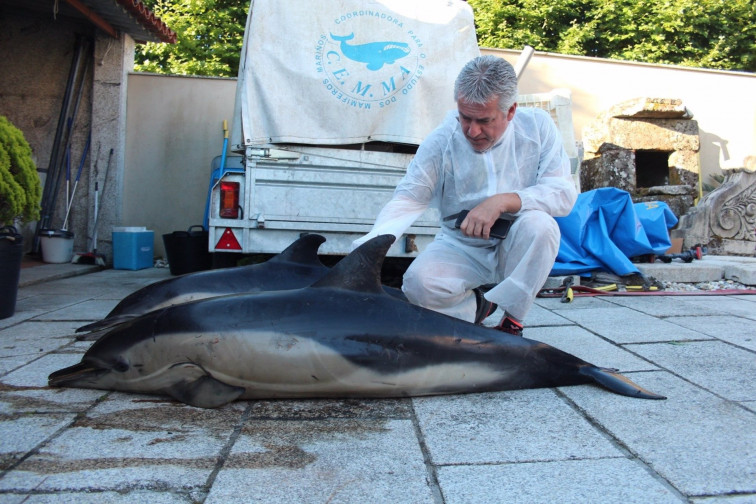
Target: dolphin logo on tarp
375 54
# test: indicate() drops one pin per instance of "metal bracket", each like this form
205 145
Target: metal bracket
409 243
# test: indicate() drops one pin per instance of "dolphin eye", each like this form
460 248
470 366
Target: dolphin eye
120 366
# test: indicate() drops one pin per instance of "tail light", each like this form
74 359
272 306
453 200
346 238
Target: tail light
229 200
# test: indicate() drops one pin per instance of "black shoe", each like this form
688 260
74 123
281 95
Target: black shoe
509 326
485 307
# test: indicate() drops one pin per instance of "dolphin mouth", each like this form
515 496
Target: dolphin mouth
75 375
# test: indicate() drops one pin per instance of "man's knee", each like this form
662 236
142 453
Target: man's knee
538 227
427 289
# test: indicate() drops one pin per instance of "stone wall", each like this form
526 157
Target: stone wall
647 147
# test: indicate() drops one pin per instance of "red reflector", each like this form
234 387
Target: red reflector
228 241
229 200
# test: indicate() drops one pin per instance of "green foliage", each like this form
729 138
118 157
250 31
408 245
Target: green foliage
719 34
20 188
210 35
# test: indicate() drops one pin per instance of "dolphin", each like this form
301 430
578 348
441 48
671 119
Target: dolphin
343 336
297 266
375 54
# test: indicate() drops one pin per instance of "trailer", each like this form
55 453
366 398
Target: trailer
332 100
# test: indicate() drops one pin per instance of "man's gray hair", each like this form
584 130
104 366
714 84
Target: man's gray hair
486 77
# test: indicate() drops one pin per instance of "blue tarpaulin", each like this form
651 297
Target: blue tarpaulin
605 229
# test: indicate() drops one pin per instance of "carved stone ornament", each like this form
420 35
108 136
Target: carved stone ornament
725 219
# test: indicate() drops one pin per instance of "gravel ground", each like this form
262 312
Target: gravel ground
707 286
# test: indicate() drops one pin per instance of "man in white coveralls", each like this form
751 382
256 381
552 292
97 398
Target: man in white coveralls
491 158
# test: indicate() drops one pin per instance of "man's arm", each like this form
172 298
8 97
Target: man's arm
415 191
554 190
480 219
394 218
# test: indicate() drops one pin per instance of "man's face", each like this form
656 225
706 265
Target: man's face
483 125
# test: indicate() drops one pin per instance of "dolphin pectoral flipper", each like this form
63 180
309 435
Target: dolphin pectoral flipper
204 391
618 383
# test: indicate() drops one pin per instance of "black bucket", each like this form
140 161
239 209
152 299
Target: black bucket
187 250
11 253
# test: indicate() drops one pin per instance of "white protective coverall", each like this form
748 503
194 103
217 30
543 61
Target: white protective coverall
447 172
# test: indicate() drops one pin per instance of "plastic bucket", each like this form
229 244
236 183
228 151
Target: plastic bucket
187 250
57 245
11 253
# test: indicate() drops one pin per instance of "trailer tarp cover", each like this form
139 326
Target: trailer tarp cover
349 71
605 229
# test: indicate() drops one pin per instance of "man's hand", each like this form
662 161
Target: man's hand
478 222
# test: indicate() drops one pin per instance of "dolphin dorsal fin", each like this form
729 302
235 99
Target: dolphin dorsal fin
360 270
303 251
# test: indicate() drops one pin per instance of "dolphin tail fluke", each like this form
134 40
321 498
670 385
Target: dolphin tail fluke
618 383
338 38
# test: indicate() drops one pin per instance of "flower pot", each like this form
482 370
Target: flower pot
11 253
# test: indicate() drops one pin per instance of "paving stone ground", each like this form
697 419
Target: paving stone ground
569 444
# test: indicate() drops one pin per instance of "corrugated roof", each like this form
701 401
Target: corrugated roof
126 16
116 11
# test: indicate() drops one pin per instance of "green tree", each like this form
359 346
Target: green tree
20 187
717 34
209 33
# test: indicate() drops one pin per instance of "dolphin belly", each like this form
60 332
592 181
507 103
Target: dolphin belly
308 369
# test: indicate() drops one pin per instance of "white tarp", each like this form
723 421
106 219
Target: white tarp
349 71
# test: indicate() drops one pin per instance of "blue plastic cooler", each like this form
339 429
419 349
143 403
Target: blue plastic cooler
132 248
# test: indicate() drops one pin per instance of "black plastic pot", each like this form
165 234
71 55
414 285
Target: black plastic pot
11 253
187 251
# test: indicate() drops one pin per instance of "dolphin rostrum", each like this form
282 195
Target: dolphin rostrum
341 337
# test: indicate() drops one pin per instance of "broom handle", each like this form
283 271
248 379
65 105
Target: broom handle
78 174
96 209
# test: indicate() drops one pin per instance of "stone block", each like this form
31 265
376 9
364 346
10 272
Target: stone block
700 443
685 160
679 204
668 190
643 134
603 480
655 108
612 168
